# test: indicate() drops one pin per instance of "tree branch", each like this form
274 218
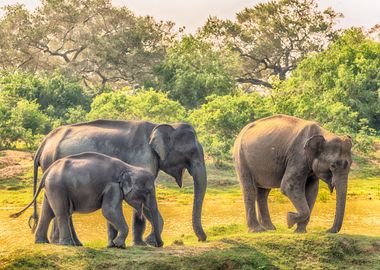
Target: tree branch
255 82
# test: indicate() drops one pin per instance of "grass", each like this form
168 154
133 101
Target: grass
229 246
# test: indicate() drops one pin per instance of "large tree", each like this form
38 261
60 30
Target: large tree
92 38
273 37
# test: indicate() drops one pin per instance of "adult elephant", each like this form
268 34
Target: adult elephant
292 154
170 148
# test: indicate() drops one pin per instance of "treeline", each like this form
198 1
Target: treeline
78 60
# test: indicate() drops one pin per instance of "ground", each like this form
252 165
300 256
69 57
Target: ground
229 245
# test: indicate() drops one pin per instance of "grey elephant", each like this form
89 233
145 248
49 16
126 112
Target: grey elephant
291 154
87 182
170 148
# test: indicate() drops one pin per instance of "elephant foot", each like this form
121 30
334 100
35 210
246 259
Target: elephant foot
332 230
256 229
66 242
119 243
78 243
139 243
151 240
269 226
300 230
54 240
111 245
42 241
159 244
291 219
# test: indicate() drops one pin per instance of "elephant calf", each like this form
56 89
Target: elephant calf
87 182
291 154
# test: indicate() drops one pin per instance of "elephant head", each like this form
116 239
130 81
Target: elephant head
139 192
178 149
330 160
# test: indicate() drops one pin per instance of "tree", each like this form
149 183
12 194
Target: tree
338 87
193 70
92 38
143 105
220 120
273 37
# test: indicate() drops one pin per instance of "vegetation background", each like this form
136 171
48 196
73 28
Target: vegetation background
79 60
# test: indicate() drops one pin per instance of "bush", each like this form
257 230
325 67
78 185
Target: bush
21 122
338 87
55 93
220 120
143 105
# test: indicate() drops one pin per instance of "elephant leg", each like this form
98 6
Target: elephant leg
138 228
61 207
311 190
65 237
113 212
112 233
46 216
54 234
151 239
249 194
262 204
293 186
74 234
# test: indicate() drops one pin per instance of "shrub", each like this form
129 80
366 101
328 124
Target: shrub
219 121
143 105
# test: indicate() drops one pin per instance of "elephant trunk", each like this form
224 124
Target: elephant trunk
198 172
152 204
340 183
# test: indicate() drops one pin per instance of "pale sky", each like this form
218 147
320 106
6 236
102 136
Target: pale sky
194 13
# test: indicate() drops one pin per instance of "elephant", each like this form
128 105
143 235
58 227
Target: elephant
87 182
291 154
170 148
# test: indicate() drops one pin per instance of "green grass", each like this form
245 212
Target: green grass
228 248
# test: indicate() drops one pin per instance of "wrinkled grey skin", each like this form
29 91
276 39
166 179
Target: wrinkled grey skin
170 148
291 154
87 182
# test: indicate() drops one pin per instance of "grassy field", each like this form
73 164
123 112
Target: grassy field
229 246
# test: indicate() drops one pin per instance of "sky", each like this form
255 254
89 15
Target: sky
194 13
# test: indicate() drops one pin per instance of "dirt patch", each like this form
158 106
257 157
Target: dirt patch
13 163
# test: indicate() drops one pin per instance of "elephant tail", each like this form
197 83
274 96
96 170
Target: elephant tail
35 217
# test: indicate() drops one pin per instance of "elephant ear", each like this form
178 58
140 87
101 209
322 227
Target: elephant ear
314 146
160 140
125 181
347 141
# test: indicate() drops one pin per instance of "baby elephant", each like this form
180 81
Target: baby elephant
87 182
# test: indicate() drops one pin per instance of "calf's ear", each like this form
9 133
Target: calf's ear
125 181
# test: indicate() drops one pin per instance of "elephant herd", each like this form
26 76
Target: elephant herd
98 164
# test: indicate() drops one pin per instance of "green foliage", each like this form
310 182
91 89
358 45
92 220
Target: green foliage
193 70
143 105
55 93
339 88
220 120
22 121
